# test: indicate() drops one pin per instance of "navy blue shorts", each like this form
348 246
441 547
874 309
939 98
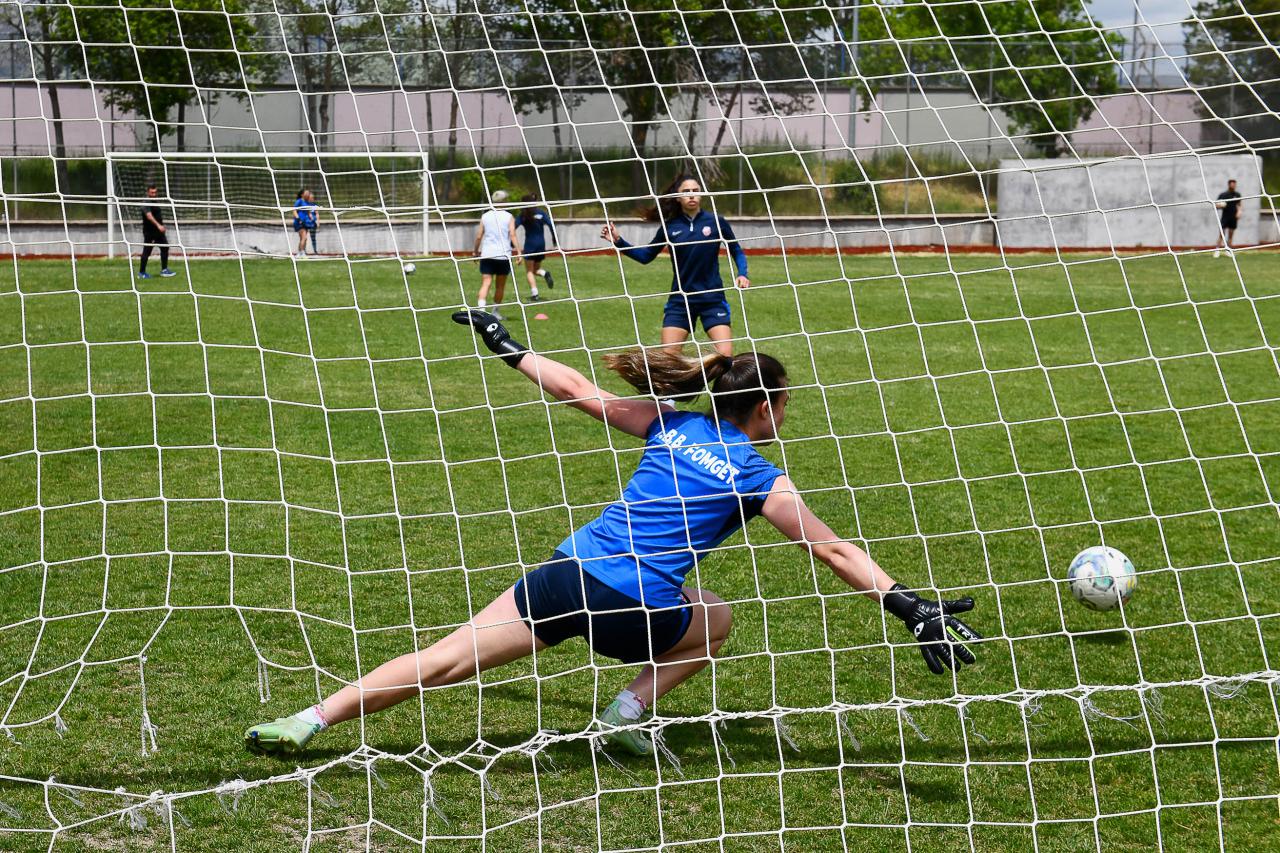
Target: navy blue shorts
681 314
559 600
495 266
535 258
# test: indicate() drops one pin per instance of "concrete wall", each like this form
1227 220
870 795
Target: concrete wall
957 232
1163 201
406 238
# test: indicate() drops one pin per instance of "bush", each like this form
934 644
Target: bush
852 190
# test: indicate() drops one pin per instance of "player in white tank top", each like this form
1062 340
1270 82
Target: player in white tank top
495 249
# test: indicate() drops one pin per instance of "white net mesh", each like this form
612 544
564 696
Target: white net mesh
230 492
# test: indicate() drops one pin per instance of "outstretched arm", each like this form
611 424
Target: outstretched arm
632 416
942 637
787 511
643 254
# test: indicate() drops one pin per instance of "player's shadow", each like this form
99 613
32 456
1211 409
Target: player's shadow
1104 638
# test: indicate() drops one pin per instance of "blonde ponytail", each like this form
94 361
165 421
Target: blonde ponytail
737 383
665 373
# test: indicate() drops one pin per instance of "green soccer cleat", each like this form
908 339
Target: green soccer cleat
633 741
285 736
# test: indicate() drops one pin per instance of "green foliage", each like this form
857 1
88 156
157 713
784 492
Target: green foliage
1044 62
852 189
471 185
650 50
154 59
1235 68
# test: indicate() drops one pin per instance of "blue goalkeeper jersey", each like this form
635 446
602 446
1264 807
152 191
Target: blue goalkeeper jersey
695 253
697 483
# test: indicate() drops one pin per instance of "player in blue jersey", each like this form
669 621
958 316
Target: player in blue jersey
536 221
619 581
305 221
693 236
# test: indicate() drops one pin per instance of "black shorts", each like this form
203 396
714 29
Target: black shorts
537 259
1229 223
680 313
559 600
495 266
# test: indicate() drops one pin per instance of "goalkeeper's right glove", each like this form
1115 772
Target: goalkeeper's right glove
941 635
493 333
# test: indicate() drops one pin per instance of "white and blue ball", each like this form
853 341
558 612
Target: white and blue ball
409 267
1102 578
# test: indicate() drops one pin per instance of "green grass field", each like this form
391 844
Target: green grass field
317 471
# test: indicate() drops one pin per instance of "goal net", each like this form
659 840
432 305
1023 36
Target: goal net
244 204
993 243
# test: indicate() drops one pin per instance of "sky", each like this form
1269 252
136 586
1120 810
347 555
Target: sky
1119 13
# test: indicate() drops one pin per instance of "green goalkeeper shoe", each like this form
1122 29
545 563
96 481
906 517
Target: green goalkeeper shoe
285 736
632 740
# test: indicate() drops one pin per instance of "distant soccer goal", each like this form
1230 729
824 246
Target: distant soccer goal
233 204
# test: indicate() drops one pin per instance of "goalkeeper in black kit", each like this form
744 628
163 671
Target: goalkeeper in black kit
154 236
1229 204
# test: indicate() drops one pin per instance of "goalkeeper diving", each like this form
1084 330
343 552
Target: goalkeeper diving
619 581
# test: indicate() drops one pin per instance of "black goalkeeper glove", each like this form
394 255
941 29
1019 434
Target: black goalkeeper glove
494 334
941 635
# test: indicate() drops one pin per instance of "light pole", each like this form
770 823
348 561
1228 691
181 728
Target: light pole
853 80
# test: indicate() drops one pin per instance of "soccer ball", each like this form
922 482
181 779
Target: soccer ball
1102 578
409 268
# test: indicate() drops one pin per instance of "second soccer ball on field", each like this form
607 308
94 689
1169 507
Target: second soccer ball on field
1102 578
409 268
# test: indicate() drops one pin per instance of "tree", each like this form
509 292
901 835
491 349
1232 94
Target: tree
1235 67
328 40
52 43
646 52
1044 61
154 60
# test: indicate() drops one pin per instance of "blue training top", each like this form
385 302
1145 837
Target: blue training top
695 253
304 212
698 481
533 223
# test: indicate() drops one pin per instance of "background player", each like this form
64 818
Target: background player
305 221
1229 204
496 247
154 235
619 581
535 220
694 237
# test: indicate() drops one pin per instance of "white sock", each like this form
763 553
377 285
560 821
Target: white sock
630 705
314 716
533 291
482 303
542 273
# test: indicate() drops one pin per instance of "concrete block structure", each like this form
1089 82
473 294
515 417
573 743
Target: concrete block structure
1164 201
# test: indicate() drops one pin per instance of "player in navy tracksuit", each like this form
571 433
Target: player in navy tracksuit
628 582
694 237
536 221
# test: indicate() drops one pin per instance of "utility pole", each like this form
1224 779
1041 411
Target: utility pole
853 80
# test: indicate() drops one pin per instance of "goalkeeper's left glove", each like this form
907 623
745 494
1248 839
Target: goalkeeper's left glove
941 635
494 334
